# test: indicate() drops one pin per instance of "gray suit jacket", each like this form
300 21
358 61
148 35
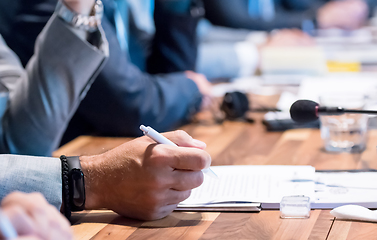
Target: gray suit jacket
41 100
37 104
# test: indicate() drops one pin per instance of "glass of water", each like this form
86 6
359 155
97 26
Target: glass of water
346 132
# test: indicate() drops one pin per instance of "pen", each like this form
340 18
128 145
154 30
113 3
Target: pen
150 132
6 227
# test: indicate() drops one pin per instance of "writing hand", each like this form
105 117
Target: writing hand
145 180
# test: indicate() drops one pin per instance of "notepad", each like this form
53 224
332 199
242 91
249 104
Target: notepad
248 188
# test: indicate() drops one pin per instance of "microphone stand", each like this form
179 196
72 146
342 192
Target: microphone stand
340 110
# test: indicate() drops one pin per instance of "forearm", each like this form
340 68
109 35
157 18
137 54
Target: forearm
227 59
164 102
58 77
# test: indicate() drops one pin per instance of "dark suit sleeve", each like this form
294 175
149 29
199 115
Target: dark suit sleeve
175 44
288 14
122 97
372 4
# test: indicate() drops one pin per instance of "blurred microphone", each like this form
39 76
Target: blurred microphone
236 105
303 111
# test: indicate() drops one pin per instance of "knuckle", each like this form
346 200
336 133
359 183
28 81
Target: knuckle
198 179
195 180
36 196
203 160
159 151
16 212
180 134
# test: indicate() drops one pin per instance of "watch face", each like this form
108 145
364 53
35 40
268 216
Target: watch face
88 23
77 186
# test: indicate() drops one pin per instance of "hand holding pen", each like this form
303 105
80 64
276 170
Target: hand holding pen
144 180
156 136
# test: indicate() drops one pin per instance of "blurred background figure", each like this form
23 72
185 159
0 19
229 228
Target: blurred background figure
226 53
229 46
347 14
274 14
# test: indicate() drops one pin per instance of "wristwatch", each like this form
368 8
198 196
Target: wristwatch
73 182
88 23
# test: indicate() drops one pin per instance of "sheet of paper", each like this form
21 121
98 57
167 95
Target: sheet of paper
245 184
334 189
312 87
248 84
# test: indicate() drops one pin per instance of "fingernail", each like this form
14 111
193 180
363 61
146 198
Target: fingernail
199 144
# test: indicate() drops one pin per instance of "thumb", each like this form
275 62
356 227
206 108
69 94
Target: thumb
183 139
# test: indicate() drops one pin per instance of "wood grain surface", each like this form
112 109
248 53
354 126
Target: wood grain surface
235 143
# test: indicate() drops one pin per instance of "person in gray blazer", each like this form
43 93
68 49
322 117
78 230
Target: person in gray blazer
37 103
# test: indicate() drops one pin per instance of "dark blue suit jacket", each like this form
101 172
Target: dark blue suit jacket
123 97
288 13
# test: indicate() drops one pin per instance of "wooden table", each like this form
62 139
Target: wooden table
235 143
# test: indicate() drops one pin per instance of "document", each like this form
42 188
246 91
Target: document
302 60
252 188
247 188
334 189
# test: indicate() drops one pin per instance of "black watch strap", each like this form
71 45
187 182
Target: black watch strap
65 188
73 184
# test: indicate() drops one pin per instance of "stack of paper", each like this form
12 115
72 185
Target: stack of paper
252 188
244 188
293 60
334 189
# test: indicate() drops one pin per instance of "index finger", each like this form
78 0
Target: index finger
183 139
185 158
